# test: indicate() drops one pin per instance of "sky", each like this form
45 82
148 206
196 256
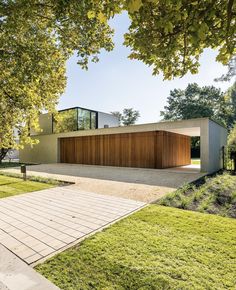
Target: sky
115 82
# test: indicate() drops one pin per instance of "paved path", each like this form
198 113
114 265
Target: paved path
142 184
16 275
38 224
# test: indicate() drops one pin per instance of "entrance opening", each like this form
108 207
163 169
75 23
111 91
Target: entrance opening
195 151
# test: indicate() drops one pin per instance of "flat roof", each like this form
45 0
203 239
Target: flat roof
191 127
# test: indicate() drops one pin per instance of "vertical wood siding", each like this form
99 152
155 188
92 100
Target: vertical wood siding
156 149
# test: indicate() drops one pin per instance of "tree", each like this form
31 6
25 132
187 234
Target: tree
37 37
232 136
118 115
129 116
170 35
199 102
231 70
231 97
3 153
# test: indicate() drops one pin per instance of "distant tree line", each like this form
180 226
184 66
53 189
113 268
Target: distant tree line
127 117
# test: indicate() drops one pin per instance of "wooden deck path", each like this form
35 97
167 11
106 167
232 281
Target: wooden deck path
38 224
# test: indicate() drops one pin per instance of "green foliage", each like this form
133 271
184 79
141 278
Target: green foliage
40 179
170 36
231 70
7 164
230 97
217 196
65 121
38 37
155 248
118 115
10 186
232 137
199 102
129 116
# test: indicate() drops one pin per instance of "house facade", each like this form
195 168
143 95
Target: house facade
94 138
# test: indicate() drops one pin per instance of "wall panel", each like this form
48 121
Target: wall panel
156 149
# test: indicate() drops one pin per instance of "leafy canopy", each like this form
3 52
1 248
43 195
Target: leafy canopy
200 102
37 37
129 116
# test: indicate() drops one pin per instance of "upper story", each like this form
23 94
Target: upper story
74 119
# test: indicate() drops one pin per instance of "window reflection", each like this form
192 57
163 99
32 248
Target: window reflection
93 120
74 119
83 119
65 121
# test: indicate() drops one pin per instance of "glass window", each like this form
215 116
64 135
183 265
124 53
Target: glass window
73 120
65 121
83 119
93 120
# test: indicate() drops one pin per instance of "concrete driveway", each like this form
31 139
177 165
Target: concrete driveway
139 184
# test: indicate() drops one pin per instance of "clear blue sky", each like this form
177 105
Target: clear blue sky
117 82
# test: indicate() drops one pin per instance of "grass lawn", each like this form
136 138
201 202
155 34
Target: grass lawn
196 161
12 186
156 248
6 164
217 196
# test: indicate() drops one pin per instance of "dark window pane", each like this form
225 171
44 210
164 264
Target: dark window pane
65 121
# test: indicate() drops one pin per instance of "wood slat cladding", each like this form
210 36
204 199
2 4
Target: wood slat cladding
155 149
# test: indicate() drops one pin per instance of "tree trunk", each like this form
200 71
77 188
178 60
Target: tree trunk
3 153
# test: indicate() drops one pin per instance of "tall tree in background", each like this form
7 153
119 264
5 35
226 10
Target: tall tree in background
118 115
37 37
129 116
199 102
231 97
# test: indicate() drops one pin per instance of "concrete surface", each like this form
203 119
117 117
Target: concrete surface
16 275
39 224
146 185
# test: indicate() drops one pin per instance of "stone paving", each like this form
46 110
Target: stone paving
37 224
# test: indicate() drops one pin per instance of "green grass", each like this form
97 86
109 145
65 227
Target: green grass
217 196
155 248
50 181
6 164
196 161
10 186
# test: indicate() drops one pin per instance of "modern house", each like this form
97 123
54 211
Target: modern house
85 136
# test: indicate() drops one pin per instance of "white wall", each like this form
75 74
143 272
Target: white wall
107 119
213 138
217 139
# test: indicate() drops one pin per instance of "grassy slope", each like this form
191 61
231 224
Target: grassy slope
10 186
155 248
217 196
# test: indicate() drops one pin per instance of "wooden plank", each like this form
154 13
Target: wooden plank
156 149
